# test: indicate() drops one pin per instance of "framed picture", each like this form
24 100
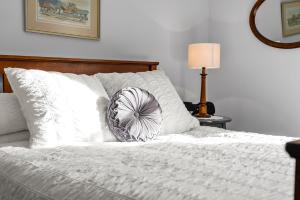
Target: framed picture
74 18
290 12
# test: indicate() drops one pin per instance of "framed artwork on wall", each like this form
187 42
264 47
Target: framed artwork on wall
290 12
73 18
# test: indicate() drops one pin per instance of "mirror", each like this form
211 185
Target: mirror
276 23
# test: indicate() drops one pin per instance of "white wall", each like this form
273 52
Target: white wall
132 29
258 86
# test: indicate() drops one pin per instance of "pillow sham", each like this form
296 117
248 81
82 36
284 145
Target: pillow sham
11 117
134 115
176 118
60 109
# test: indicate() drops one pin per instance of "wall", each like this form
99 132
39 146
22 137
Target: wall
131 29
258 86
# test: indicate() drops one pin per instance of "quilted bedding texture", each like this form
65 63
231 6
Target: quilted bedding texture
207 163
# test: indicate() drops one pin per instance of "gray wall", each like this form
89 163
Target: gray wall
258 86
132 29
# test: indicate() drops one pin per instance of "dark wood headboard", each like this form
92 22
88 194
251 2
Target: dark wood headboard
70 65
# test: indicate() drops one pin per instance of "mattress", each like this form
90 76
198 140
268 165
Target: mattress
207 163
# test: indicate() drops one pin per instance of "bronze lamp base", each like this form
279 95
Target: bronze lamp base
202 115
202 107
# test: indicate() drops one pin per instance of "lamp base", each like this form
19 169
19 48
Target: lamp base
202 115
202 107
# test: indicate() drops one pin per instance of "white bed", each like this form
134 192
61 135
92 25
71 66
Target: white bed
203 164
207 163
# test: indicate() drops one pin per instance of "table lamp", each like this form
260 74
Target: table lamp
204 56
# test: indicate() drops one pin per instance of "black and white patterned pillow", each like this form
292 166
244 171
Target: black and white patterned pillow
134 115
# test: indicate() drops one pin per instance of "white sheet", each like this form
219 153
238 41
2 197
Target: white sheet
208 163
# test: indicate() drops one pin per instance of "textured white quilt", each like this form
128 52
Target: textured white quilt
204 164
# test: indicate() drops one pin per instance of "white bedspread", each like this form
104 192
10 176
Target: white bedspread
205 164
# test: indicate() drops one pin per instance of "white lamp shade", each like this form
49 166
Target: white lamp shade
204 55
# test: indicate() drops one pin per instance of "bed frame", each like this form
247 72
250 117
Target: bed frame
70 65
293 148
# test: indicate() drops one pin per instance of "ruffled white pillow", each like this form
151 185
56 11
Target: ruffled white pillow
134 115
60 109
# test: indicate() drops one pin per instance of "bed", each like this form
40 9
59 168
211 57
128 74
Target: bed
205 163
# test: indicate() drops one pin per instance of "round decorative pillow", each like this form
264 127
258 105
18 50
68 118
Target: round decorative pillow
134 115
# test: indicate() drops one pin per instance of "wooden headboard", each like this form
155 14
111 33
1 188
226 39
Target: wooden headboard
70 65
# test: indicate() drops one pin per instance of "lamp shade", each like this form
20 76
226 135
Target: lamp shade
204 55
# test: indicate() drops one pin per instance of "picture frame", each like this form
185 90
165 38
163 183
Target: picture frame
72 18
290 14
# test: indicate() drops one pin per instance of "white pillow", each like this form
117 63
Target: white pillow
14 137
60 109
11 117
176 118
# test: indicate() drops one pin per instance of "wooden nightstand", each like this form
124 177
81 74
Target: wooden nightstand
215 121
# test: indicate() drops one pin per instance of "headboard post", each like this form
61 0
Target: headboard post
71 65
293 148
1 81
5 85
153 67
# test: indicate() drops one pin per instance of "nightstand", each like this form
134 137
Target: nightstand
215 121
